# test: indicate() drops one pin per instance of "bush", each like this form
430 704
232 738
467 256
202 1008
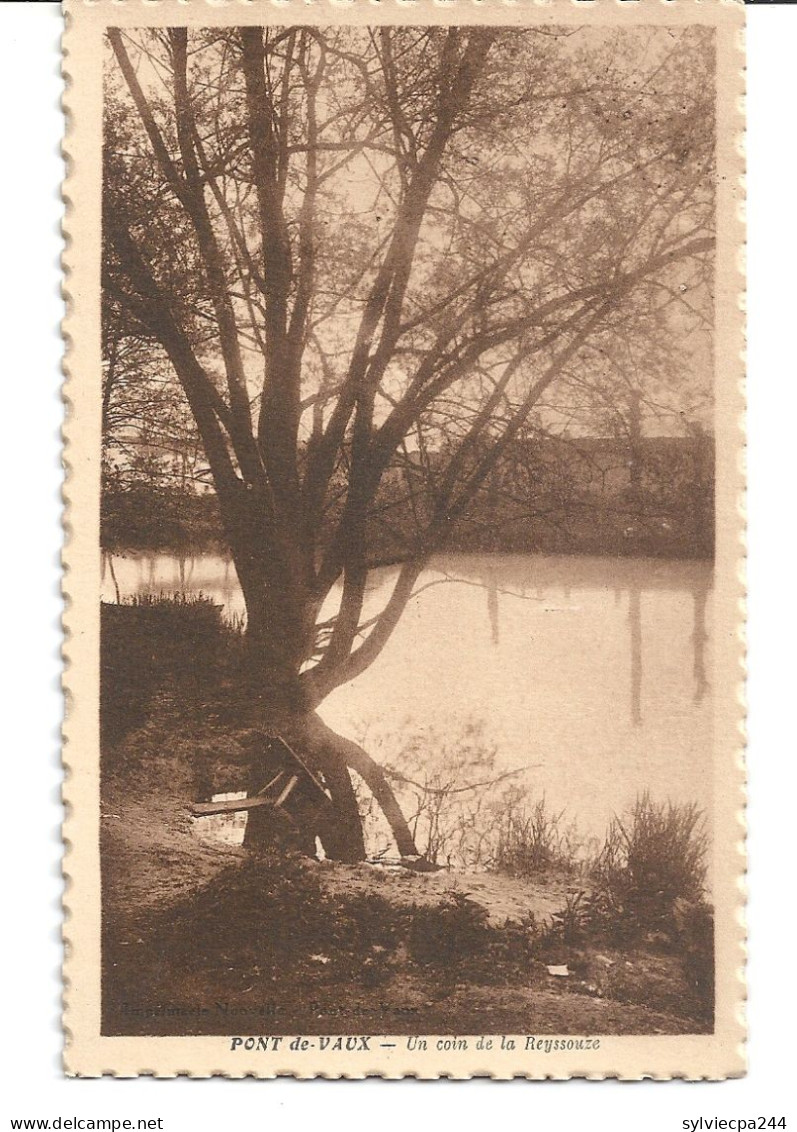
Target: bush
655 858
647 882
144 517
648 888
531 841
456 930
150 644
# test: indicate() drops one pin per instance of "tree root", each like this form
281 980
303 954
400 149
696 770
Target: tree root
339 827
372 774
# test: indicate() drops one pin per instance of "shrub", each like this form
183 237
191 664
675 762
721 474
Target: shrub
151 644
456 930
574 920
650 861
530 841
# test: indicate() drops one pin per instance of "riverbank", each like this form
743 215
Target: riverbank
474 670
200 937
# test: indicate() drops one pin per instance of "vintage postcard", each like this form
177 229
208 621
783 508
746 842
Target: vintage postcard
404 583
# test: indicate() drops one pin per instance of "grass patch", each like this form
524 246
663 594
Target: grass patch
652 865
530 839
648 888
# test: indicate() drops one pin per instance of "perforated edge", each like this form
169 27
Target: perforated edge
87 1053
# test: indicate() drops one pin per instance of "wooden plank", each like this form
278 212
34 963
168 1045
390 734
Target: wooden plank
287 791
273 782
229 806
265 797
323 797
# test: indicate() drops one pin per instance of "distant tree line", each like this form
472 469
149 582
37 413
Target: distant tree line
589 495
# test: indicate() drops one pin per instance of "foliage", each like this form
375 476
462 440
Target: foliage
381 254
444 798
465 811
446 934
458 801
338 243
273 913
574 920
550 495
531 839
137 516
647 887
648 881
178 647
649 862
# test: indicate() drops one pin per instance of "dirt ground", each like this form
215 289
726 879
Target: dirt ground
502 897
199 937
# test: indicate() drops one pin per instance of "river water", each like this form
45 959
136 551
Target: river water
591 672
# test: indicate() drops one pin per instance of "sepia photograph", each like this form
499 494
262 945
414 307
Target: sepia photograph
412 655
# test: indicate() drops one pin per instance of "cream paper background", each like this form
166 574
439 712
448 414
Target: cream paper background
89 1054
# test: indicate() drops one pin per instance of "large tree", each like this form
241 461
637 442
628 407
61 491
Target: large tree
369 249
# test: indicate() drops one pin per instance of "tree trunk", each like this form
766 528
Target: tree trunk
338 825
352 755
278 701
341 832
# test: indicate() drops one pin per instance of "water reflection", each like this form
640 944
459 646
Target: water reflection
700 637
501 577
108 567
227 828
595 668
492 605
635 623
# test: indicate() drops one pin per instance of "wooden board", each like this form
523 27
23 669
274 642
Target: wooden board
306 772
229 806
